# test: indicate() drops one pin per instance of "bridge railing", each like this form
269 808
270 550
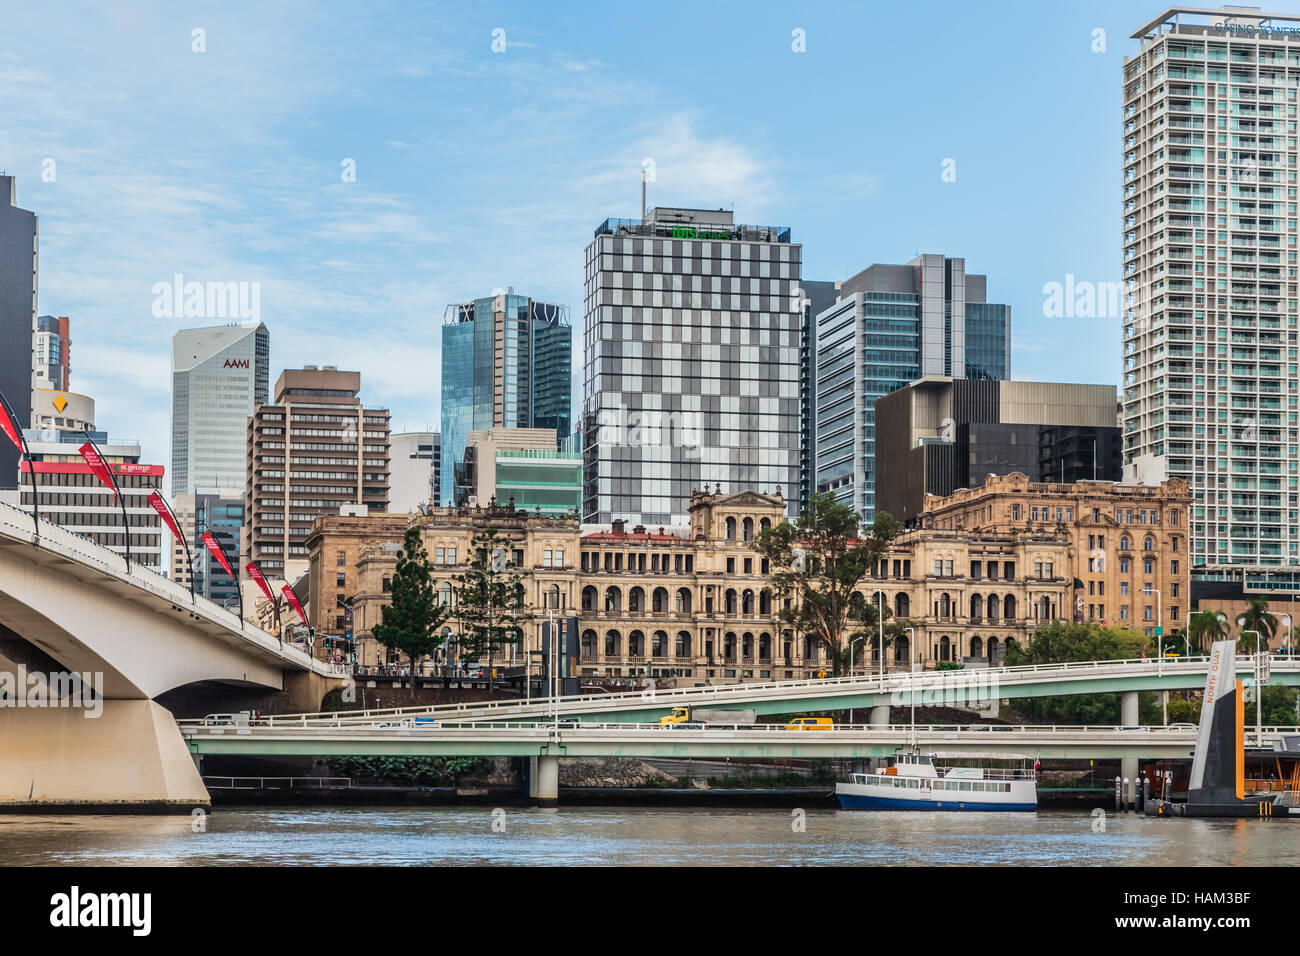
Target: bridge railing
16 523
993 733
898 681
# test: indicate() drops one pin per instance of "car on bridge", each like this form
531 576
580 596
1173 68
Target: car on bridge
810 723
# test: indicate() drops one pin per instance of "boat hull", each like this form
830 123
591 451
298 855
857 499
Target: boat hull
852 801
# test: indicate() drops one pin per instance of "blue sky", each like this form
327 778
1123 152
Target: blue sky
478 169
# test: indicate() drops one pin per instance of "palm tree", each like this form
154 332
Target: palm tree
1205 628
1258 619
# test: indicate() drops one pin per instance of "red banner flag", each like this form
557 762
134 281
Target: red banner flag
165 513
10 427
215 547
293 600
256 575
97 465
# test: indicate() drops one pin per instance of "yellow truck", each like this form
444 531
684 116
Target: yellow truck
702 717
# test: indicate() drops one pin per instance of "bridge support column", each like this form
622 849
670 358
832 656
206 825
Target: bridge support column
880 715
129 758
544 779
1128 766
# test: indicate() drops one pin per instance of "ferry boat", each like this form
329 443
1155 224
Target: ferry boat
919 781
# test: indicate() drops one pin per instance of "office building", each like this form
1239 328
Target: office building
51 345
520 467
313 451
1209 252
506 362
221 511
219 375
691 368
938 434
73 497
18 280
817 298
891 325
416 469
62 411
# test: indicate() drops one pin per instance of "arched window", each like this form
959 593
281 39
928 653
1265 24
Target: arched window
993 607
945 605
765 602
729 646
636 644
902 649
1148 543
660 601
589 597
683 648
446 596
636 601
588 644
976 646
731 529
553 596
765 647
683 600
945 648
747 529
747 602
613 600
659 644
613 642
1123 542
1009 607
993 650
747 647
730 605
902 605
976 607
1045 608
764 525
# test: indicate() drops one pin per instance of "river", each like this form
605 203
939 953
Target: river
622 836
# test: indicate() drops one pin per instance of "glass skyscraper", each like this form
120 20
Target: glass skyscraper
18 230
891 325
1209 245
219 376
507 361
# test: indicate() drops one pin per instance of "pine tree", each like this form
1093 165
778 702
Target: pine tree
413 618
490 600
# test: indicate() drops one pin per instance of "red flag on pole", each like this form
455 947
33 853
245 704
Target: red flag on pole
293 600
165 513
98 466
10 427
215 547
256 575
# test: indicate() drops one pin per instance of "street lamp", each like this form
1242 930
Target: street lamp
880 605
851 643
1160 651
911 677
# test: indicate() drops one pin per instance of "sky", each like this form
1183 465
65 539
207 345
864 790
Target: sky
367 164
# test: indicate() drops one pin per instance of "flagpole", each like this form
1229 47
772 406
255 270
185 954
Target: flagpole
189 558
121 498
31 465
238 590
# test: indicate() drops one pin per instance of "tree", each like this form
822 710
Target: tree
1258 619
490 599
1205 628
410 622
1061 642
817 562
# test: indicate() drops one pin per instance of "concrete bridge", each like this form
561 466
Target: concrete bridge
544 744
68 605
870 692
